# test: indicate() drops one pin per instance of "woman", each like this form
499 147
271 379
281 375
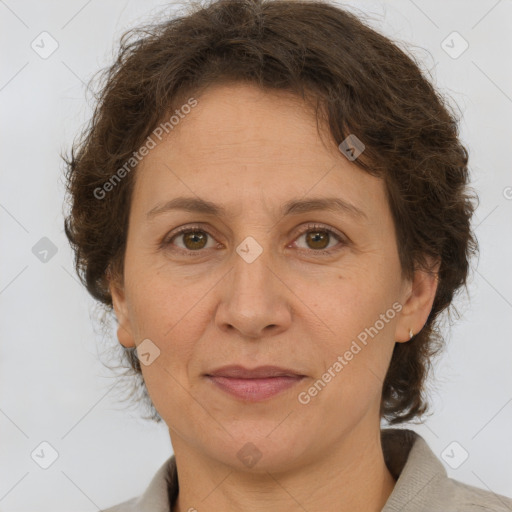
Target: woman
273 200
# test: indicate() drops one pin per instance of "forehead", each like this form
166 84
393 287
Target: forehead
241 141
243 119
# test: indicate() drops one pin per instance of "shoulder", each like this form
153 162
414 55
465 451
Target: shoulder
422 483
160 493
468 498
125 506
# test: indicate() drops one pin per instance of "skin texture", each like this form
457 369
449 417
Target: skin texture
293 306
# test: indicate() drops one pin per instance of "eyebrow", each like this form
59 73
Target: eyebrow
292 207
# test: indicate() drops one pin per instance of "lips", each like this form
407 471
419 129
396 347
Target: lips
261 372
254 385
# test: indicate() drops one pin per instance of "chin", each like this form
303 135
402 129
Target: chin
259 452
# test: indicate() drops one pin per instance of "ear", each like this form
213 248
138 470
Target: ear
417 300
124 329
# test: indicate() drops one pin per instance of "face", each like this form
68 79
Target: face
315 291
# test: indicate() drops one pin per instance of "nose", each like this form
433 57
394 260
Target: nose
254 299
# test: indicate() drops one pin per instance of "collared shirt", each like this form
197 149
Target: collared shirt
422 484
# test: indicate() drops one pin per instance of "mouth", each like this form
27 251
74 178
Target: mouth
254 385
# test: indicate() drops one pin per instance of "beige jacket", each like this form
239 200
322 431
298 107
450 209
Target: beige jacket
422 483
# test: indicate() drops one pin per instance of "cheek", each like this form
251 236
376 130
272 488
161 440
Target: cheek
352 363
158 301
349 300
173 317
358 314
168 320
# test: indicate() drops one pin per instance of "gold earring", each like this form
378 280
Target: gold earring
411 334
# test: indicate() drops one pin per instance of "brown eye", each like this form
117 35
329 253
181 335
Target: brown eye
192 239
318 238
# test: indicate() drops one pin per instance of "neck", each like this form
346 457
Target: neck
351 476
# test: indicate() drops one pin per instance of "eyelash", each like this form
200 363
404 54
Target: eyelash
310 227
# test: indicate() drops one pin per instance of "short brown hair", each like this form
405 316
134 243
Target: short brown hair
360 83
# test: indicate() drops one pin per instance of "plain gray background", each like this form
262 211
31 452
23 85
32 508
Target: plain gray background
53 387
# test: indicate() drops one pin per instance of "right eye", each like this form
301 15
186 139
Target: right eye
194 239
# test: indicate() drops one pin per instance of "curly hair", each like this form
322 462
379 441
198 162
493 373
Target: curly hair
358 81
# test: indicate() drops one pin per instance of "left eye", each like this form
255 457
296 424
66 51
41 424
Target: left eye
194 239
319 237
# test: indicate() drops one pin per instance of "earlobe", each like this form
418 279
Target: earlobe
124 331
417 304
